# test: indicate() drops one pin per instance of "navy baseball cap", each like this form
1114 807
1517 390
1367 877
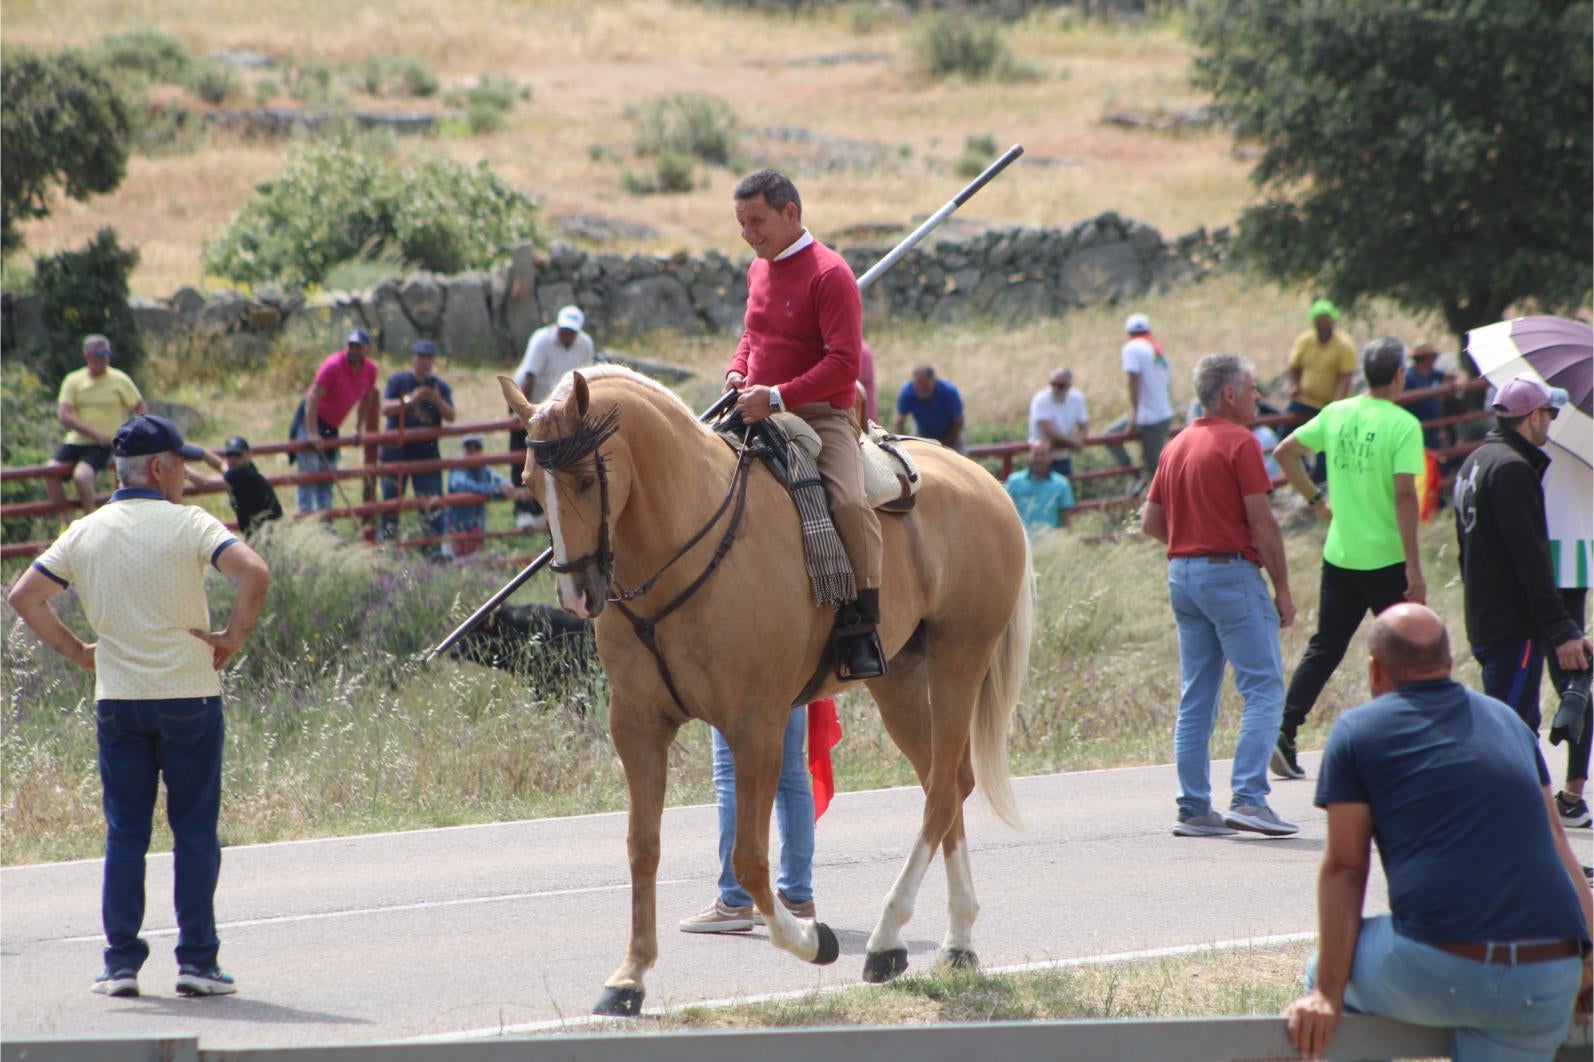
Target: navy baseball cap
423 347
235 446
360 336
148 434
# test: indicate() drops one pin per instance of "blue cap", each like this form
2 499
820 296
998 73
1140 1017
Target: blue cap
360 336
423 346
148 434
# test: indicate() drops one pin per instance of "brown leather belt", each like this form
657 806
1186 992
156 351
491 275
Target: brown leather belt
1507 954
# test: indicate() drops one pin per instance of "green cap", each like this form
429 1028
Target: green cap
1321 307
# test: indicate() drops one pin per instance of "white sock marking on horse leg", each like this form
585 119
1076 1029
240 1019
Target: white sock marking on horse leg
887 933
793 934
961 906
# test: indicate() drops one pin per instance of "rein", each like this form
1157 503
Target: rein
586 439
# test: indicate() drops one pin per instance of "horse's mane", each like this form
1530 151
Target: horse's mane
612 371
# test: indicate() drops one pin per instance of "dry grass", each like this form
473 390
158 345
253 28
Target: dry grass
612 54
1249 981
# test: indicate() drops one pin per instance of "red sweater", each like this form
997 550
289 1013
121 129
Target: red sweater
804 328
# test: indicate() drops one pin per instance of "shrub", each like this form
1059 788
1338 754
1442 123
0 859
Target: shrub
265 91
213 83
82 292
496 93
415 79
390 75
161 132
61 123
674 172
334 204
151 54
484 118
979 150
955 44
312 82
688 124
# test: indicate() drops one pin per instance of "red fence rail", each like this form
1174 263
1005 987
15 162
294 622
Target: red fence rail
373 469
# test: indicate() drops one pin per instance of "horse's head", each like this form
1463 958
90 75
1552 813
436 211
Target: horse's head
567 473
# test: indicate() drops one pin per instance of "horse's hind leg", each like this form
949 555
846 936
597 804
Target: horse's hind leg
934 737
757 750
643 743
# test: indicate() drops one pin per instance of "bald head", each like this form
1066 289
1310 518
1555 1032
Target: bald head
1410 644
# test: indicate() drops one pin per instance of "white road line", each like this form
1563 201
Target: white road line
556 1024
348 838
355 912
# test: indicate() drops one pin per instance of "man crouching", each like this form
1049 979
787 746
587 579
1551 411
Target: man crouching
1488 933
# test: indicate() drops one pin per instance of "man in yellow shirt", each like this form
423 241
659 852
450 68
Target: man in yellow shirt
93 403
1322 365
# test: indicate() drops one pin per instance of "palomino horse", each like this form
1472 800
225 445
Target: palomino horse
652 513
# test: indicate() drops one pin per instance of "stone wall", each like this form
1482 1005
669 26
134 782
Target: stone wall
1013 274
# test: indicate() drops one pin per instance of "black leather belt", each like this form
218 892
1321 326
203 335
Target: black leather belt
1504 953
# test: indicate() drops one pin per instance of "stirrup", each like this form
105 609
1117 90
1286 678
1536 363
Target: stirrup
870 657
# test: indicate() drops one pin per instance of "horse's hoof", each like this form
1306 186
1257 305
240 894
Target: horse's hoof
959 959
881 966
829 946
619 1002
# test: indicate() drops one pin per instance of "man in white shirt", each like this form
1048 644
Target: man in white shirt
1150 405
1057 415
552 351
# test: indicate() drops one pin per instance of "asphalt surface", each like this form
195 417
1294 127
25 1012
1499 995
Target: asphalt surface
482 928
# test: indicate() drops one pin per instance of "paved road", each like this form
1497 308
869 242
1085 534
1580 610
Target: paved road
442 932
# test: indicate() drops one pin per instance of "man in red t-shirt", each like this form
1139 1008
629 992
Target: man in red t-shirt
347 378
1209 504
800 353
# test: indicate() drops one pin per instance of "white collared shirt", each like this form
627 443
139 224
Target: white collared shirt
796 245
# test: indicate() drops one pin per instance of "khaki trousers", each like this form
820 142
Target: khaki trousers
841 467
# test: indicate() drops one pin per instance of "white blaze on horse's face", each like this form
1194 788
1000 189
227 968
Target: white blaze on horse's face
567 585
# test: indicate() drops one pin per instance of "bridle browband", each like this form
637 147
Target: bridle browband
565 453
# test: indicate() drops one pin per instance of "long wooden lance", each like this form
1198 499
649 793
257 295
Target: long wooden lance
725 400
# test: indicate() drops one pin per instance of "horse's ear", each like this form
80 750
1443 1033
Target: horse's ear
517 400
578 394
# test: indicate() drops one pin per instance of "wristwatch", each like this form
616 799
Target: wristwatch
1315 499
775 405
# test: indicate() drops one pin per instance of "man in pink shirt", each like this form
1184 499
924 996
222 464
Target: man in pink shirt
347 378
800 353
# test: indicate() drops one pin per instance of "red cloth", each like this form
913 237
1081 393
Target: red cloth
1202 480
804 328
342 387
824 734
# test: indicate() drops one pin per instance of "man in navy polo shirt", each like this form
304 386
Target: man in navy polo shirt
936 406
416 399
138 565
1488 930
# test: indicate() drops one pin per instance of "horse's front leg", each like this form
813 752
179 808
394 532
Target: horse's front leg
643 745
757 755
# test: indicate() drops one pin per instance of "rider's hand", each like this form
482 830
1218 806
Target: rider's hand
753 403
735 381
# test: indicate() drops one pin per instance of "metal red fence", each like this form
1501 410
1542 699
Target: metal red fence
369 509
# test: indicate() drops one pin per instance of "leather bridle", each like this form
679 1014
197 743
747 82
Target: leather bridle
586 439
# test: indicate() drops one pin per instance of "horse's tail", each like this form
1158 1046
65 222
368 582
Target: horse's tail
998 696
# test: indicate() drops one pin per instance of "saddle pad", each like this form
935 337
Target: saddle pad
890 477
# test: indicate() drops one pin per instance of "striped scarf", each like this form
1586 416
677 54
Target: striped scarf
829 571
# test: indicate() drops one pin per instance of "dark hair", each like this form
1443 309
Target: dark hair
1382 359
775 187
1402 657
1511 423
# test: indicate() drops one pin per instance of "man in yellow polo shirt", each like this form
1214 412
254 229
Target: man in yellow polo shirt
1322 366
138 565
93 403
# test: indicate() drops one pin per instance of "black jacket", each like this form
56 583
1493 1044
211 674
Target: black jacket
1505 545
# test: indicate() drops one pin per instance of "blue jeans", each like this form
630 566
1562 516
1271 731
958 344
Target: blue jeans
1225 615
794 811
427 485
1499 1013
141 741
315 497
1511 673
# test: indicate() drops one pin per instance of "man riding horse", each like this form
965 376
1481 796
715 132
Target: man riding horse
800 354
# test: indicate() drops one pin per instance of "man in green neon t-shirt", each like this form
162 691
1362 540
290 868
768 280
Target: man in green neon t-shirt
1373 450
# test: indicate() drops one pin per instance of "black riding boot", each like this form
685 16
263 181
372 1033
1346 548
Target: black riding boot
857 644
